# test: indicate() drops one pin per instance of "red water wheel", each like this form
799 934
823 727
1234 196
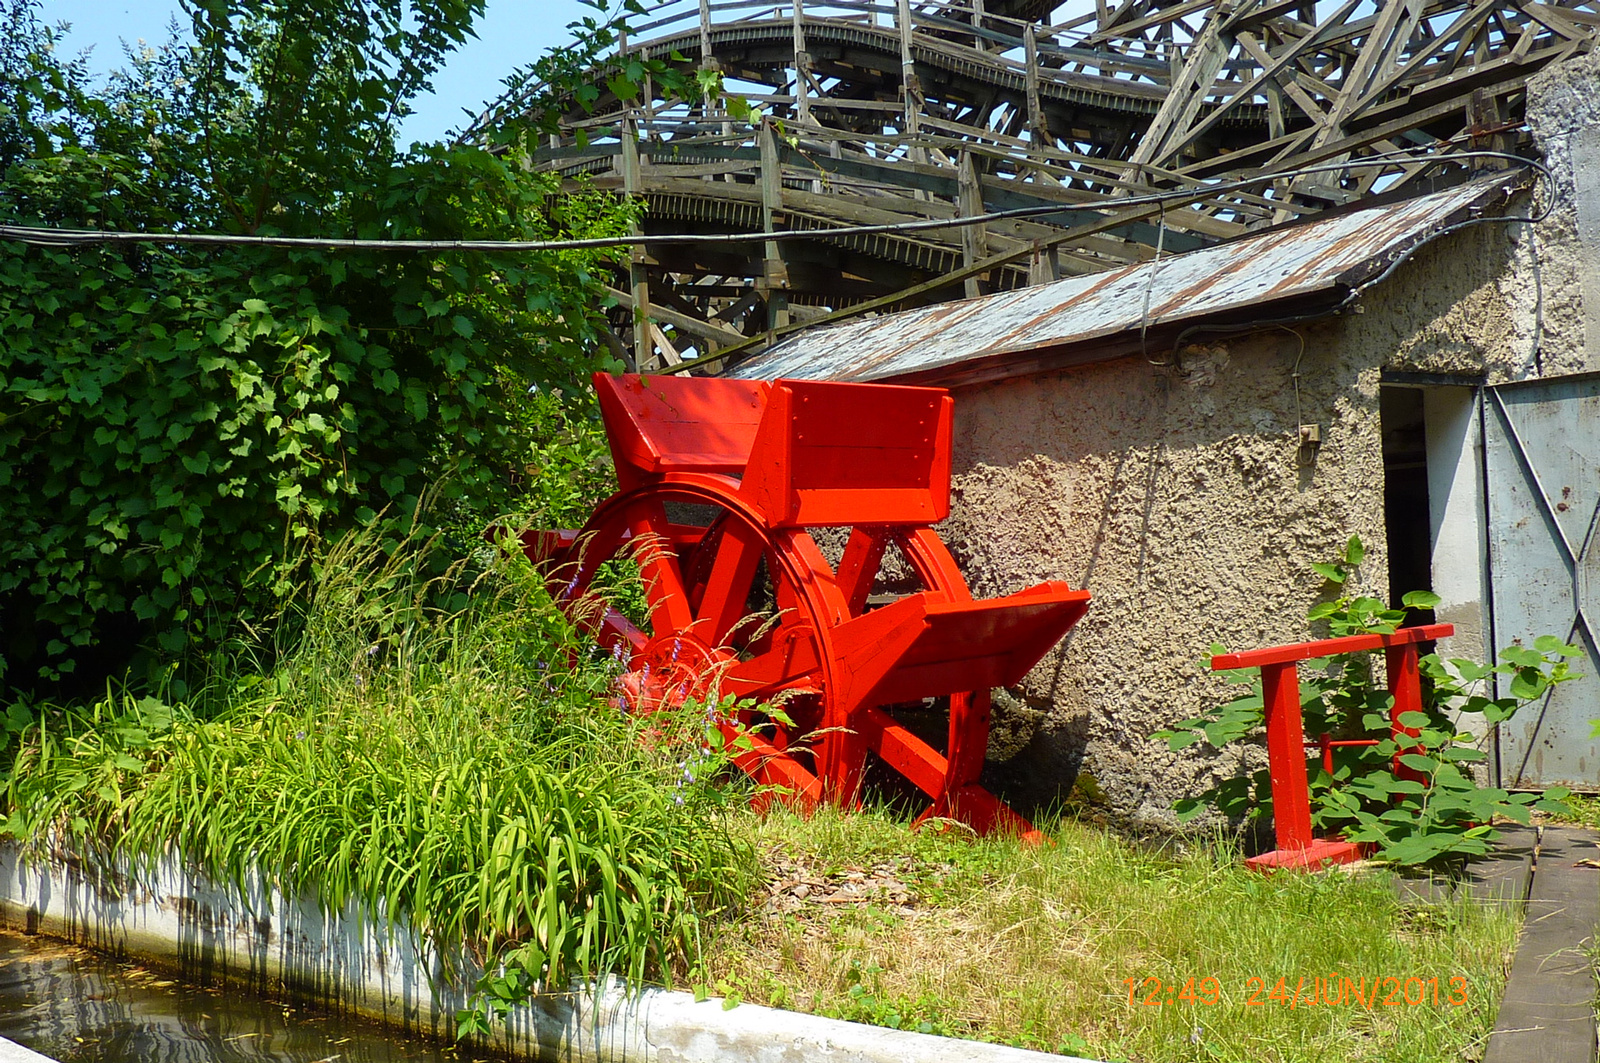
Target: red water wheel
723 483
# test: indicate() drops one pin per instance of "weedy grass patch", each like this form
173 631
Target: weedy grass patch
1044 947
1582 809
463 770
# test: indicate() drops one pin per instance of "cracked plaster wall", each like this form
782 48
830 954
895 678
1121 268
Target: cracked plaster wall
1564 113
1179 495
1178 498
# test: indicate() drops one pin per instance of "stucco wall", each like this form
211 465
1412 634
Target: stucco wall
1178 497
1564 112
1178 494
1515 301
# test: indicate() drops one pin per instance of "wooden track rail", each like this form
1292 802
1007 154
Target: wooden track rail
888 110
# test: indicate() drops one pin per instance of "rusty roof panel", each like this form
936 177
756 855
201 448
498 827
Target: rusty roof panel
1324 256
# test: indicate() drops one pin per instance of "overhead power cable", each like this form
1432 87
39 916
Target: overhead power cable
46 237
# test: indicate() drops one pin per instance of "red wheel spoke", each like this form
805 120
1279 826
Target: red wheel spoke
931 560
658 568
792 661
904 752
617 630
771 766
727 589
570 581
969 736
859 567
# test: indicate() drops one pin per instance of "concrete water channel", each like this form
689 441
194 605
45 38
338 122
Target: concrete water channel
262 942
78 1006
81 1006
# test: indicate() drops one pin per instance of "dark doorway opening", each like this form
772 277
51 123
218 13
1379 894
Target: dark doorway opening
1405 494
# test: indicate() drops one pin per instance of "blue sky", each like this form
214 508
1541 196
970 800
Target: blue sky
511 33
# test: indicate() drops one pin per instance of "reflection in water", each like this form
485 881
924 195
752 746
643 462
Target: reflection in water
79 1007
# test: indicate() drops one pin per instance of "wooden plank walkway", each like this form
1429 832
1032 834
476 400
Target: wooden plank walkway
1503 877
1548 1012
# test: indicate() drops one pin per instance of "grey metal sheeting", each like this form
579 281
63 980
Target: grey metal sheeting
1326 257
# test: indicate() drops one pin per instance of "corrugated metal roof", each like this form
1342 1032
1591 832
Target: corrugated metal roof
1325 257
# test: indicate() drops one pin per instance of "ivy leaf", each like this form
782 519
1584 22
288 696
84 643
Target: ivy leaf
1521 657
1177 740
1331 573
1354 552
1549 644
1415 850
1528 684
622 87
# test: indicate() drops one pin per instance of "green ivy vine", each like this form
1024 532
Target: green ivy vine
177 423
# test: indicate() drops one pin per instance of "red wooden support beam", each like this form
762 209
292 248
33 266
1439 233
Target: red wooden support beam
1305 651
1286 755
1328 744
1405 687
1291 795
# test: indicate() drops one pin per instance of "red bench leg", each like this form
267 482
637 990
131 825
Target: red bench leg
1291 796
1405 687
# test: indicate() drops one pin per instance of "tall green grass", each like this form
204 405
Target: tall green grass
458 768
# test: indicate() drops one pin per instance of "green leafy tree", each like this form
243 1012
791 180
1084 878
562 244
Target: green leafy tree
571 82
174 422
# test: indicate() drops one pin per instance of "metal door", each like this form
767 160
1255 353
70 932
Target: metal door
1542 478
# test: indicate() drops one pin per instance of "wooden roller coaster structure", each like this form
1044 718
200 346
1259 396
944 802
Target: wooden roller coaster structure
892 110
726 487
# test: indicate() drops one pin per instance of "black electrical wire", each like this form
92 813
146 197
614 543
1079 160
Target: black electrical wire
1401 259
44 237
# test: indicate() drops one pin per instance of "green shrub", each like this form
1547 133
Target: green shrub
567 469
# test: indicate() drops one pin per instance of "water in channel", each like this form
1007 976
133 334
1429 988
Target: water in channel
81 1007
